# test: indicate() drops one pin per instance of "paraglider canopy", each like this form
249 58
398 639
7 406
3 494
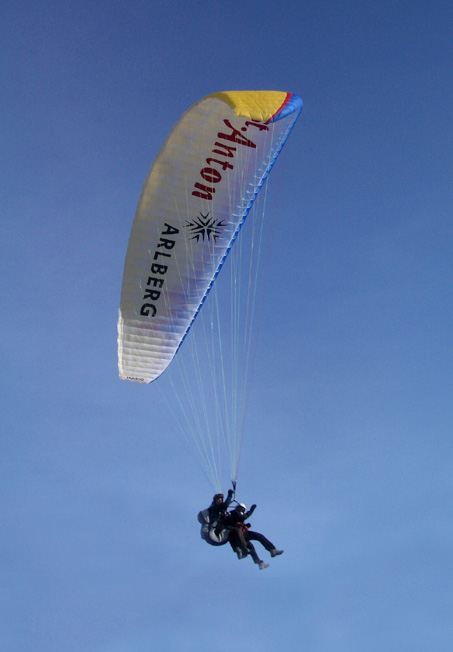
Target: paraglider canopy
194 201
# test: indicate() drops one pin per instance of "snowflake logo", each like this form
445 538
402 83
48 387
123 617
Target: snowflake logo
205 228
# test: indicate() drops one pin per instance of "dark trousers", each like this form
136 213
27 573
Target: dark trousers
243 539
236 538
257 536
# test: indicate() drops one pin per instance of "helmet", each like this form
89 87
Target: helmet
217 497
241 507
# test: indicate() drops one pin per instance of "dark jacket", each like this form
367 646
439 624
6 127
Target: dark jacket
217 511
236 518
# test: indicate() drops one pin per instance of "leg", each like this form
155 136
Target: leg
254 556
237 542
257 536
252 552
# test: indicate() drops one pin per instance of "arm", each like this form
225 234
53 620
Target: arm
250 512
227 502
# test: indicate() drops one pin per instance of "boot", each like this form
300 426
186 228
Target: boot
262 565
276 552
241 553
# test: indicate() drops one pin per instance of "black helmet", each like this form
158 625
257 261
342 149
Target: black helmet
217 497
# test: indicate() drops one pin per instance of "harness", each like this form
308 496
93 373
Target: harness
208 530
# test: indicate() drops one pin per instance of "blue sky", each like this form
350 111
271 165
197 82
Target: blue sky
348 449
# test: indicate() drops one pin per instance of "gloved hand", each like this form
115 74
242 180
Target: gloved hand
252 509
230 493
